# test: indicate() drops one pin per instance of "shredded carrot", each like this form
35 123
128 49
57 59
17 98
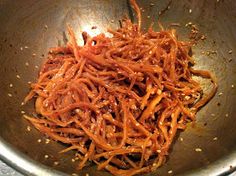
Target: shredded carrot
119 101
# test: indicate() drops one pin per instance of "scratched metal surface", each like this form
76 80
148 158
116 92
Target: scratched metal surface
7 170
23 24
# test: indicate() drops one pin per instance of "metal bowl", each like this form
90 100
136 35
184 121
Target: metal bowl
29 27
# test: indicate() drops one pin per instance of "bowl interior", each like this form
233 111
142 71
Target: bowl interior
30 27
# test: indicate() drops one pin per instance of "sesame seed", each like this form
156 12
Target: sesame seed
56 163
159 91
21 48
181 139
39 140
74 174
10 85
26 64
221 93
46 26
226 115
187 97
170 172
203 37
26 47
154 164
36 66
148 16
47 141
158 151
198 149
46 156
29 82
215 139
188 24
112 21
230 51
9 95
86 174
18 76
73 160
33 54
232 86
213 115
152 4
190 11
22 103
194 109
22 112
28 128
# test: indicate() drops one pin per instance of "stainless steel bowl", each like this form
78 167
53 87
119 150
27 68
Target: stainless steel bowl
29 27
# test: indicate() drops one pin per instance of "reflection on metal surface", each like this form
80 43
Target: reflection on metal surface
24 25
24 164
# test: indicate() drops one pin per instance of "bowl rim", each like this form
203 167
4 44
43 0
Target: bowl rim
25 165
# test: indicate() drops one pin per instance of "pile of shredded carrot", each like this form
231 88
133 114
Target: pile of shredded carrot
119 101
